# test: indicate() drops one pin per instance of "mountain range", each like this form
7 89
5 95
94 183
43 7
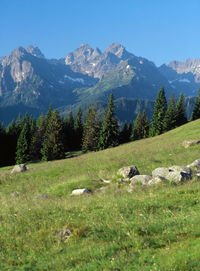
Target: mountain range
86 76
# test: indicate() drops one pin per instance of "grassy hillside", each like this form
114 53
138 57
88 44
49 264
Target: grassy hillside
154 228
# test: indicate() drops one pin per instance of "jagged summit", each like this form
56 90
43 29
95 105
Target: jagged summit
35 51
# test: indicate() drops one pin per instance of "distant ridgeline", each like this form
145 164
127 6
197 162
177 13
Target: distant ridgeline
29 82
51 137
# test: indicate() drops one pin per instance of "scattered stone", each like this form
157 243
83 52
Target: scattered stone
82 191
188 143
106 181
160 172
19 168
15 194
143 179
176 174
128 172
65 233
197 175
195 164
156 180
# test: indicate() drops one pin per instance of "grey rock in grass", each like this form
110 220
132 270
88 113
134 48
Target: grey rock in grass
156 180
106 181
15 194
128 172
19 168
41 196
176 174
195 164
64 234
82 191
188 143
125 180
143 179
160 172
102 189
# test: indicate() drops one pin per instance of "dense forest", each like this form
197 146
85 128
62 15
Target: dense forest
52 137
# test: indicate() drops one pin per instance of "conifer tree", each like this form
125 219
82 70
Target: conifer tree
78 130
180 111
124 134
69 136
37 139
137 132
170 116
109 135
52 147
91 130
23 143
160 107
196 111
145 125
12 137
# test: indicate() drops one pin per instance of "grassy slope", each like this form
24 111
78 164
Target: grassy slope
156 228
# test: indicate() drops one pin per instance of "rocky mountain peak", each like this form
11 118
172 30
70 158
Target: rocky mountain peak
35 51
118 50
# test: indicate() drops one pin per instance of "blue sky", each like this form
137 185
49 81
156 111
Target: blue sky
158 30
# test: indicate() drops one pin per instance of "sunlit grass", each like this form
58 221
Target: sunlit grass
154 228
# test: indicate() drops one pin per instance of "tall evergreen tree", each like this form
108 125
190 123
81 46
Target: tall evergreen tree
124 134
109 135
170 116
180 111
78 130
145 125
12 137
196 111
91 131
23 143
160 107
37 139
137 128
52 147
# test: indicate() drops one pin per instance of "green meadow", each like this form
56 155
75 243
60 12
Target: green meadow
152 228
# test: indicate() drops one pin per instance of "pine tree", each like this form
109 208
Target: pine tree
160 107
78 130
180 111
12 137
124 134
137 132
37 139
52 147
170 116
109 135
196 110
23 143
69 136
145 125
91 130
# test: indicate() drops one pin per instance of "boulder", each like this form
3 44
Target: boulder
128 172
160 172
176 174
195 164
19 168
143 179
106 181
81 191
156 180
188 143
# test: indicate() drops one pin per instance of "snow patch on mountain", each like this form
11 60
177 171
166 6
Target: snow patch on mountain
79 80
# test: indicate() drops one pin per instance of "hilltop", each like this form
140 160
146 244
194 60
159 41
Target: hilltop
154 228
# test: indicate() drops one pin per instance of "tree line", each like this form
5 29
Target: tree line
50 137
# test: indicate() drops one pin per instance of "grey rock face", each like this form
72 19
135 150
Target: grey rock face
19 168
188 143
128 172
78 192
35 51
160 172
